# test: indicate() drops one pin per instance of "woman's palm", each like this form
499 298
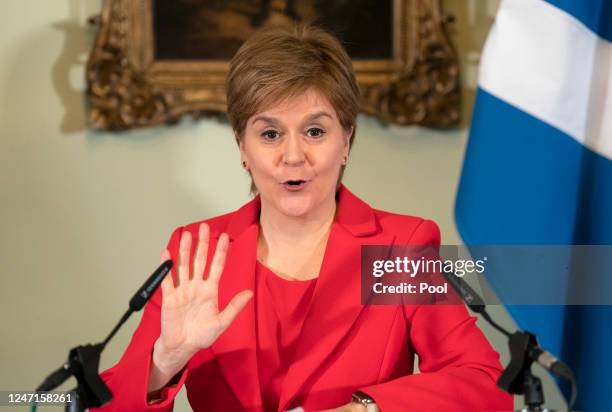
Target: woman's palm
190 317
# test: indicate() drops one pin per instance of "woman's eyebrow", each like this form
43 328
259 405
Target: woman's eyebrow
264 119
308 118
317 115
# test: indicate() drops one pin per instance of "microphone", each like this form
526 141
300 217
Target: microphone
87 357
56 378
469 296
550 363
150 286
535 352
142 296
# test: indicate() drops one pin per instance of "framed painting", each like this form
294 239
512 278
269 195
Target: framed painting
155 61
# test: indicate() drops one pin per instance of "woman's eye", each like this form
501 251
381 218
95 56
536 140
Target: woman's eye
315 132
270 135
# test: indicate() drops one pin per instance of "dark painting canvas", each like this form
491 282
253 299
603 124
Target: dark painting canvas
215 29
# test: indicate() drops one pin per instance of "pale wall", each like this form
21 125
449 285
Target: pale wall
84 215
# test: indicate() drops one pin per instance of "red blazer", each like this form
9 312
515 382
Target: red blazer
345 346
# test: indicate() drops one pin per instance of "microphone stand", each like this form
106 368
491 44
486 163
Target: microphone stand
91 391
83 361
517 378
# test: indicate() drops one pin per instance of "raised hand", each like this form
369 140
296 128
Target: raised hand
190 316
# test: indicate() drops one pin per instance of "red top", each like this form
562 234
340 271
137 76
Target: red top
281 308
343 346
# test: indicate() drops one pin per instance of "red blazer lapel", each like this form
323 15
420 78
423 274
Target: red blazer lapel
335 305
235 349
336 302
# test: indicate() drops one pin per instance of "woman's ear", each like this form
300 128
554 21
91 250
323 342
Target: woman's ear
347 139
241 148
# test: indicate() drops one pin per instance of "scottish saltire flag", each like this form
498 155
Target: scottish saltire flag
538 165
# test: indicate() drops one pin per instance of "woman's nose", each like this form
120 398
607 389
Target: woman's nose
293 151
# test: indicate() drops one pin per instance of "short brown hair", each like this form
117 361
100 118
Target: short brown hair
278 62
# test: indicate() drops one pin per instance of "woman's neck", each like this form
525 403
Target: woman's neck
294 246
278 228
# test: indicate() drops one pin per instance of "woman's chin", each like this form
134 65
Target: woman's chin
295 206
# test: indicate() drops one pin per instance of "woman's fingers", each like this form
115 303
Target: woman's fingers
199 261
216 266
183 258
164 256
167 284
183 268
233 308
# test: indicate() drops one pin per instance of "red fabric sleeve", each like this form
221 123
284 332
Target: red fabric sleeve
458 367
129 378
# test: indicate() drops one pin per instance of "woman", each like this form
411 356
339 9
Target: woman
263 311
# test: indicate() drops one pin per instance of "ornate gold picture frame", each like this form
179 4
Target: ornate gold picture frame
130 86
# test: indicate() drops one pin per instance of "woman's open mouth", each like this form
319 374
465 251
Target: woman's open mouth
295 185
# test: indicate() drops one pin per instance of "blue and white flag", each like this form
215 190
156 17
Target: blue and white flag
538 166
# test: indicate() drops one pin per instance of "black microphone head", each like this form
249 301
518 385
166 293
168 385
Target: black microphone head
468 295
56 378
150 286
